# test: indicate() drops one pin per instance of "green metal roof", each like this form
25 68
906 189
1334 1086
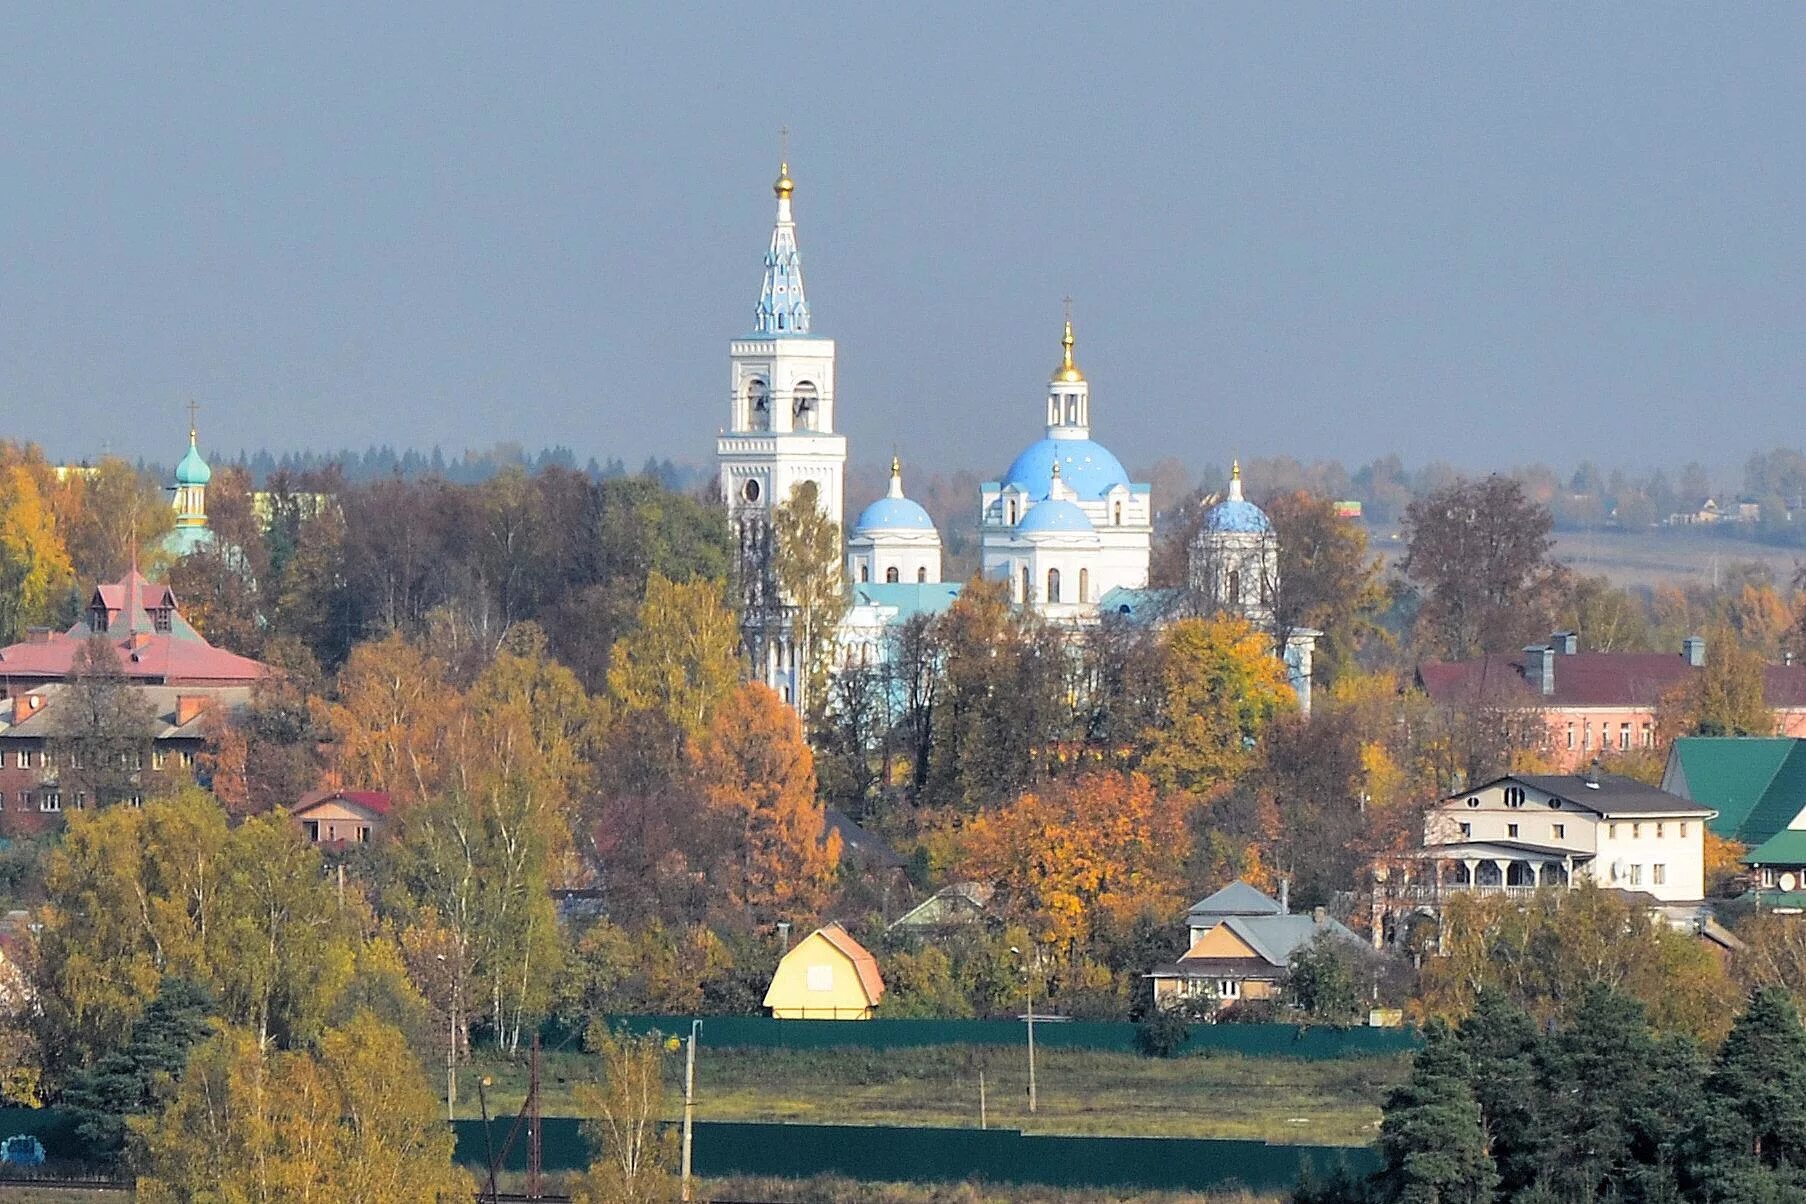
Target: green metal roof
1783 848
1757 784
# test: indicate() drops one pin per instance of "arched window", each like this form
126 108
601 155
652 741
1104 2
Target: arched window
865 574
922 576
1235 587
1053 585
890 575
1025 585
806 406
758 405
1012 512
1084 585
1119 514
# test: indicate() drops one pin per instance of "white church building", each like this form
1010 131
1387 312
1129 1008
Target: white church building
1063 526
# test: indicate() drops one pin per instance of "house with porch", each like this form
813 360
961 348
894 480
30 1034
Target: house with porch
1520 832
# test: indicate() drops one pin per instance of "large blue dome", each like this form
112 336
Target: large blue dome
894 514
1237 517
1056 517
1087 468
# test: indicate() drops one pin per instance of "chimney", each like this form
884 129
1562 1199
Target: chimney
37 635
1319 915
1285 896
189 707
1565 643
1694 649
1539 667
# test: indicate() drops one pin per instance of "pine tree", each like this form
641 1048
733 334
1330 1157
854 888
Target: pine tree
125 1082
1751 1138
1501 1041
1432 1139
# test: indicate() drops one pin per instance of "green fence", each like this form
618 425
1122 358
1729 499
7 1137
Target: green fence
1249 1040
882 1154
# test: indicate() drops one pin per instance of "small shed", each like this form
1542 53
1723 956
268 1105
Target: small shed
827 976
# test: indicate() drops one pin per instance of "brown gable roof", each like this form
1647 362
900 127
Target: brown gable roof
864 964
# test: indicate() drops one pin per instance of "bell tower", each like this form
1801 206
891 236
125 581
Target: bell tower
780 433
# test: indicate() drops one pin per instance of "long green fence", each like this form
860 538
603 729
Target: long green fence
1312 1042
873 1153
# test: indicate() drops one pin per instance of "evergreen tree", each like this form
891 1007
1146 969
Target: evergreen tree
1432 1138
125 1082
1501 1042
1750 1141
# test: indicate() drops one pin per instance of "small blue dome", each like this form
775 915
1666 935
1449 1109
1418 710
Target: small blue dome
1087 468
893 514
193 470
1237 517
1055 517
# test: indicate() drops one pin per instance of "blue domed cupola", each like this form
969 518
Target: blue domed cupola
1235 515
193 469
894 542
192 475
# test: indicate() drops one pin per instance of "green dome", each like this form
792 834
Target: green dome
193 470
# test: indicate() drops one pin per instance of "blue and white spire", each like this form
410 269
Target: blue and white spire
783 308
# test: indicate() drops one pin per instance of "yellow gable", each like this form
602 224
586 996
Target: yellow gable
818 981
1220 942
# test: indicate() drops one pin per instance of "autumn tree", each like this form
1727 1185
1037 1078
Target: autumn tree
758 778
1082 852
681 660
1725 698
355 1120
1221 689
1478 552
104 726
35 568
111 517
623 1111
393 719
1325 579
806 559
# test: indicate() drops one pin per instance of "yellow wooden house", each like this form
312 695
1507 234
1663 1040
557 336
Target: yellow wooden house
827 976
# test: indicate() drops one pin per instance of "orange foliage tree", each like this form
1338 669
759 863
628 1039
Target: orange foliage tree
393 719
758 780
1085 853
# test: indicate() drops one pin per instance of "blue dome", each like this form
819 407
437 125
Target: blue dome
1058 516
894 514
1087 468
193 470
1237 517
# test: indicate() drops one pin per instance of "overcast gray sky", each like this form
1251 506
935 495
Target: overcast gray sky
1483 233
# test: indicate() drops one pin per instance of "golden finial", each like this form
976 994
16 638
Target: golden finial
193 426
1069 371
1235 470
896 466
1056 468
785 185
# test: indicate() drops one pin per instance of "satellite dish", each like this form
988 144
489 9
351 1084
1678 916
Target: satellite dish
1788 882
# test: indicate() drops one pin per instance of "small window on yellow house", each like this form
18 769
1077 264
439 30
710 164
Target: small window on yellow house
821 978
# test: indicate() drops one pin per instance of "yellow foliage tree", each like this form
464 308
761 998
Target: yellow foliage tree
1222 686
758 778
1082 854
393 719
35 570
681 659
623 1111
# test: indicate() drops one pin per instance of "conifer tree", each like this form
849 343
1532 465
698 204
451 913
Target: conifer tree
1501 1042
1750 1140
1432 1139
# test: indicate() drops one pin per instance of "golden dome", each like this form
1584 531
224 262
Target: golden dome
1068 370
785 185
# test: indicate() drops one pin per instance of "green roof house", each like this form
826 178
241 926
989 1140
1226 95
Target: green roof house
1757 784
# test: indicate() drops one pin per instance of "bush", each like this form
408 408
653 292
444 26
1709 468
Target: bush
1163 1034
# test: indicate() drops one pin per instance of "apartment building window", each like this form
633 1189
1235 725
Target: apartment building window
1683 831
1570 735
1768 875
1559 831
1636 830
1636 875
1467 830
187 758
1611 830
24 758
159 758
50 800
1658 874
1659 831
1511 830
81 800
43 759
1649 735
1624 737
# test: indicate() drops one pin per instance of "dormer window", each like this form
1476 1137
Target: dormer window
160 619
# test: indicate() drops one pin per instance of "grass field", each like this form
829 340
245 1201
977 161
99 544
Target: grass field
1270 1099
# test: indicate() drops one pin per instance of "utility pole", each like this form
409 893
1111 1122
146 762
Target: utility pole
982 1119
534 1152
689 1103
1028 980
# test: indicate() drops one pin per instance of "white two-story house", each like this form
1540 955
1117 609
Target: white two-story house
1517 833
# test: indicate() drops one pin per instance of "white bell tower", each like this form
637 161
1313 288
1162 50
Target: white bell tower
780 433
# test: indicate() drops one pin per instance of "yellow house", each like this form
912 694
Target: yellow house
827 976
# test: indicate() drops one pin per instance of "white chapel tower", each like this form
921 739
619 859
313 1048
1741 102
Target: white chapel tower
780 433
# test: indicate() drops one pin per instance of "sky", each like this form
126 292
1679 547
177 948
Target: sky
1486 234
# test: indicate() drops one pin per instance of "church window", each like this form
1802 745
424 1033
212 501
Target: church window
805 405
750 490
922 576
1235 587
1053 585
1084 585
890 575
1119 514
865 574
1012 512
758 405
1026 588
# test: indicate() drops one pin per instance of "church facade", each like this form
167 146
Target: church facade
1063 526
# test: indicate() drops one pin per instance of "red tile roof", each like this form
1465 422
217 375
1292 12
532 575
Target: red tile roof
374 801
127 612
1623 679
